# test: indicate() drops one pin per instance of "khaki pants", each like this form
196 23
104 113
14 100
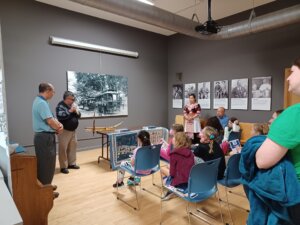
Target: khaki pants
67 148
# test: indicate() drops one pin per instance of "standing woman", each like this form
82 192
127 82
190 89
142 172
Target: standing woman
191 114
283 139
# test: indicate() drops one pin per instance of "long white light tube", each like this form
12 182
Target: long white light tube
93 47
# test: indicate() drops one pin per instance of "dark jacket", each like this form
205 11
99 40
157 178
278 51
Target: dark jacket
269 191
68 120
202 151
181 163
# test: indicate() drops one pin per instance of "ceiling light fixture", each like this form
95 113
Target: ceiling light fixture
92 47
146 2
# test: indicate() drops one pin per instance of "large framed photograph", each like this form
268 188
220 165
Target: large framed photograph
261 93
204 95
99 94
239 94
177 96
189 89
221 94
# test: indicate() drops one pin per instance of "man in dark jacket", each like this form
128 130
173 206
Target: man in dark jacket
67 113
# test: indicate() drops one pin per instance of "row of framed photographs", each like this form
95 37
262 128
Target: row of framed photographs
239 93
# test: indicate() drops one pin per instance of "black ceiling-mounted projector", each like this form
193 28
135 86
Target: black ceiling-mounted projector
210 26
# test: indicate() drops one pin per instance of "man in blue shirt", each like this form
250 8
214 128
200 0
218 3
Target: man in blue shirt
45 127
222 117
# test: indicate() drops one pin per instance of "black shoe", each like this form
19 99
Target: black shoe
54 187
64 170
73 167
55 195
118 184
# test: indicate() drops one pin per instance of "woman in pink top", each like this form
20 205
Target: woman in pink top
143 139
191 113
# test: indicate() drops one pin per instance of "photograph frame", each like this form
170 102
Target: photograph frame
204 94
261 94
99 95
239 93
177 96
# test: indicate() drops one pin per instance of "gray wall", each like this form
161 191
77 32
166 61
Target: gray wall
29 59
264 54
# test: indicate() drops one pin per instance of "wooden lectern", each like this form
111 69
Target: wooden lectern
33 200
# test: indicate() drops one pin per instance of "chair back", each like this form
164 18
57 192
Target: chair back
147 157
232 171
203 176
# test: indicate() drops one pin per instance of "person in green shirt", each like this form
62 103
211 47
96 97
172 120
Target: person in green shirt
284 138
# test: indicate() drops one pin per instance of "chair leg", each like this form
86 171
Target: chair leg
117 186
150 192
161 210
228 205
136 196
154 184
188 212
239 207
119 198
220 207
201 218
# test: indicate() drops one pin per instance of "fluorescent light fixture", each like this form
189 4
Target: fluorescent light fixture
146 2
92 47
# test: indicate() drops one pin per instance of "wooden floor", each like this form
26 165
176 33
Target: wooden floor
87 198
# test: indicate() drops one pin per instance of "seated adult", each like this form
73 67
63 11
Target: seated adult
222 116
257 129
209 149
215 123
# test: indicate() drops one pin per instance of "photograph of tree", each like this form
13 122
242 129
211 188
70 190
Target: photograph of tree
99 94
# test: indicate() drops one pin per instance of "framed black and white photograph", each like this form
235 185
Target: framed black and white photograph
99 94
177 96
221 94
204 95
189 89
239 94
261 93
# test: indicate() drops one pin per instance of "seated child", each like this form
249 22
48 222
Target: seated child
143 139
258 129
168 147
209 149
231 132
181 163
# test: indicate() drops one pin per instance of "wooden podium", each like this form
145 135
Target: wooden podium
33 200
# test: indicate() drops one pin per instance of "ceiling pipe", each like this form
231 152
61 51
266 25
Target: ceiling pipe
158 17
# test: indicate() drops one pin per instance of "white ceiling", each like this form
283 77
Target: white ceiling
185 8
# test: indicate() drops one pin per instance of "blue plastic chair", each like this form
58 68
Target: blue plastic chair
147 158
232 178
202 184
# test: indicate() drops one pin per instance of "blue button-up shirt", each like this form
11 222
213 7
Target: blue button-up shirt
224 120
40 113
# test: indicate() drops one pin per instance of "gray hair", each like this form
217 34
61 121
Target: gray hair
67 94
